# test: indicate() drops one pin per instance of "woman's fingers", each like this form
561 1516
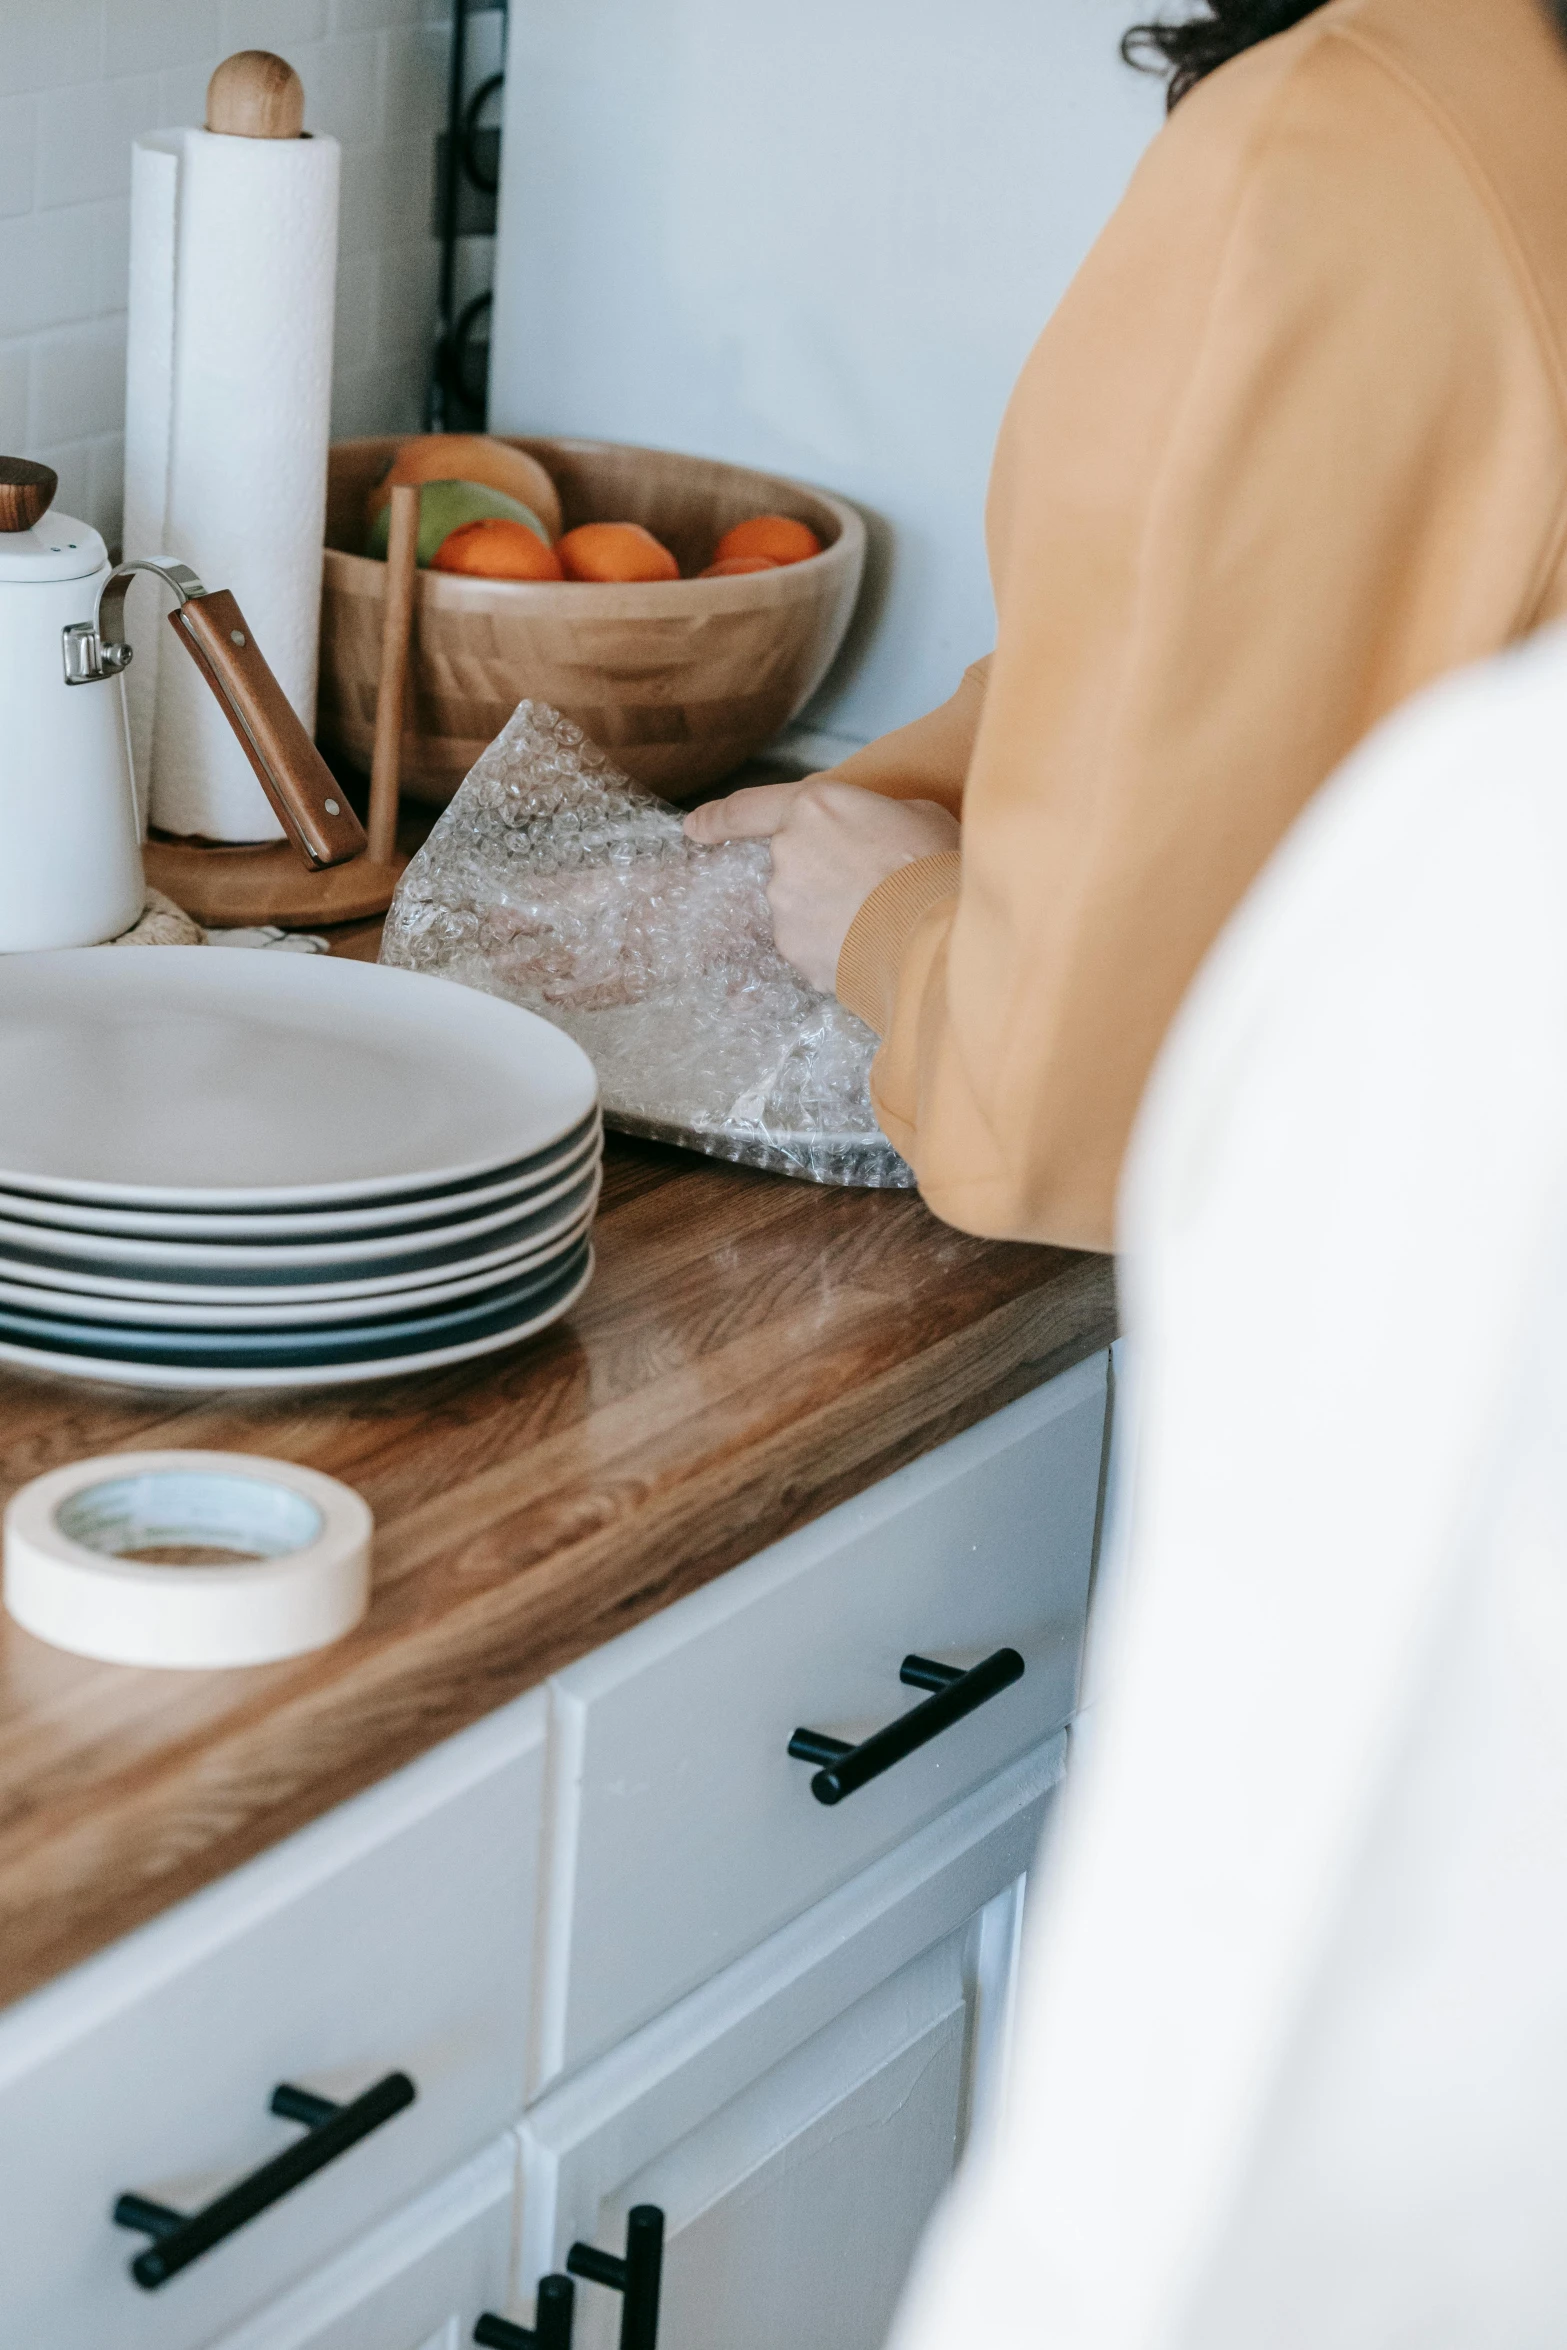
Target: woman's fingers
833 844
839 845
753 814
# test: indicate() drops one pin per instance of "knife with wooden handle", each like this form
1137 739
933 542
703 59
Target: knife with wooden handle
305 794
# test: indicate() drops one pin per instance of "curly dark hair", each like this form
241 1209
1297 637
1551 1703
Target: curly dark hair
1185 52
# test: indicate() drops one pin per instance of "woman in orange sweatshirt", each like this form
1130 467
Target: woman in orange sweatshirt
1294 443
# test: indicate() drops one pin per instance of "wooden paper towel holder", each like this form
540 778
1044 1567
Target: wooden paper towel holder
240 885
246 885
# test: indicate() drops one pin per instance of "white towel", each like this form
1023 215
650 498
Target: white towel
1292 2056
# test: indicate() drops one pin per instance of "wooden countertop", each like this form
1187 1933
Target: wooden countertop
751 1352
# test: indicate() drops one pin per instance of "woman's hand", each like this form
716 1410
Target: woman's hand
832 845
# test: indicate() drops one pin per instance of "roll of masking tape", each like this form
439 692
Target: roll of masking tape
188 1559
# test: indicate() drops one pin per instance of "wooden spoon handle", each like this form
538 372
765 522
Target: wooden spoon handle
296 779
402 548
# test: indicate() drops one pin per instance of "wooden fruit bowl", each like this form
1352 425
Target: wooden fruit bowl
681 681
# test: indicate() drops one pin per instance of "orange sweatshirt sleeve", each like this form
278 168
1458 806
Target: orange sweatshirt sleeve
928 760
1287 450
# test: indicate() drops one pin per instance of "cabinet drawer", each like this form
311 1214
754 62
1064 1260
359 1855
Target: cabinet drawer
420 2281
681 1833
794 2118
394 1935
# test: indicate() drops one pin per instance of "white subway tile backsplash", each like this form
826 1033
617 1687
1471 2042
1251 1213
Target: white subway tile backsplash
84 138
406 283
386 196
73 463
50 269
358 16
354 344
108 490
144 34
283 25
47 42
78 80
78 382
106 228
182 92
16 153
343 88
372 399
14 370
415 79
359 221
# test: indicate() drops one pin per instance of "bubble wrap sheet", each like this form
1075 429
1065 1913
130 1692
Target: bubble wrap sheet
554 880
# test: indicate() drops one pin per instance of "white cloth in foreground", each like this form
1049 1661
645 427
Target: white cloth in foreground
1291 2065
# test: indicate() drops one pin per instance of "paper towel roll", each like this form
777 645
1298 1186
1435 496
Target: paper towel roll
228 409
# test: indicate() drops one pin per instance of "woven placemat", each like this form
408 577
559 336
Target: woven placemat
163 924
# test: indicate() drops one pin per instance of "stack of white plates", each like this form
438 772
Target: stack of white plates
250 1170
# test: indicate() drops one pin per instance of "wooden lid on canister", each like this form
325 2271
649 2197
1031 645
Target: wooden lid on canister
26 492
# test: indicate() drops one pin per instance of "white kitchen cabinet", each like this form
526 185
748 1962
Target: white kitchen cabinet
393 1935
798 2207
417 2282
681 1833
613 1920
796 2118
1109 1589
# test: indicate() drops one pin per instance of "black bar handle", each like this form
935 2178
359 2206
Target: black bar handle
180 2237
551 2328
845 1767
638 2275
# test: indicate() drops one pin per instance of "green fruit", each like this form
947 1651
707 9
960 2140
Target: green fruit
444 506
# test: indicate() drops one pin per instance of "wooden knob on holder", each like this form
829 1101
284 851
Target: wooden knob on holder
254 95
26 492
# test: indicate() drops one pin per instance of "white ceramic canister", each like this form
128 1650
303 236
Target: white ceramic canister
70 852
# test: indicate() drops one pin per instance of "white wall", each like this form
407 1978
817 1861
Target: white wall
820 238
79 79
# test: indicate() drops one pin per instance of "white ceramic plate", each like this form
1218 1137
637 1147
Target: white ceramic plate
553 1224
201 1228
190 1079
401 1326
281 1260
245 1313
537 1316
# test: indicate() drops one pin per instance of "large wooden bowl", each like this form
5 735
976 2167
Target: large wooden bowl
681 681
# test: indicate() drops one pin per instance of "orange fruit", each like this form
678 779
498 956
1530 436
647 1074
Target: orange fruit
777 536
732 566
497 549
615 551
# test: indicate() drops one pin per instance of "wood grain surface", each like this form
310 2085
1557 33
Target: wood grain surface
304 793
254 95
751 1352
26 492
397 611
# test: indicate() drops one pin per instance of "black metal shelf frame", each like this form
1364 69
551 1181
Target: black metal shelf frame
467 181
